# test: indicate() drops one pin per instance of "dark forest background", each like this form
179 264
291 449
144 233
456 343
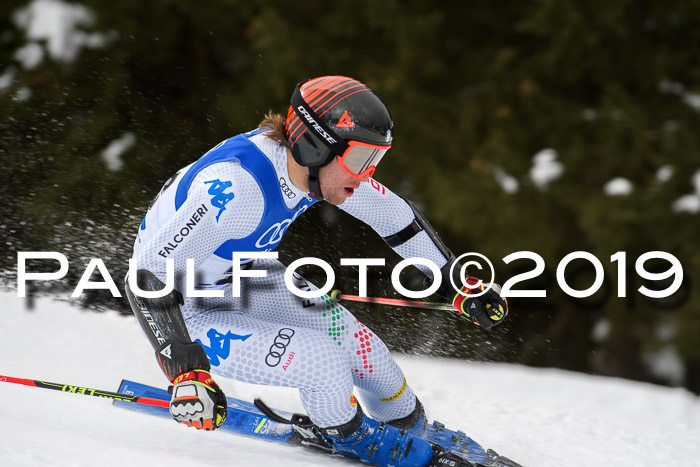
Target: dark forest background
476 89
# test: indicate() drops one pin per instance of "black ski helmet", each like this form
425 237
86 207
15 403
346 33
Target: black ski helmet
327 112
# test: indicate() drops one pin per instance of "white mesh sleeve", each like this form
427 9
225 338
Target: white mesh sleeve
240 218
387 213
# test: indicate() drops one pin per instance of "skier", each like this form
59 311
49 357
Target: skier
240 197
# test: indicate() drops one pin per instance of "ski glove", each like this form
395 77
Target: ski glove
486 310
198 401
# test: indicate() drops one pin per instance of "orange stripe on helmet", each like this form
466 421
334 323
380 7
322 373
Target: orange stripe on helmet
321 94
293 123
316 82
343 98
304 127
333 100
331 87
338 88
311 93
291 143
324 82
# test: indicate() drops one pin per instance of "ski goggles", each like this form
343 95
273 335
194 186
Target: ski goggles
358 159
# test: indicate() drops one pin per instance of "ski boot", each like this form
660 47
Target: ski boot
369 440
388 446
455 442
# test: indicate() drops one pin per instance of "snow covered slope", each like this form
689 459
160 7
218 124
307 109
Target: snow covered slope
537 417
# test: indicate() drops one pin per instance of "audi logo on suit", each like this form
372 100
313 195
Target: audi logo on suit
279 347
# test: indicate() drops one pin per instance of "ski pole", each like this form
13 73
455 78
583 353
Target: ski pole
337 296
85 391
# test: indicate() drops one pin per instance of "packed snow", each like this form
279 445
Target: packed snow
539 417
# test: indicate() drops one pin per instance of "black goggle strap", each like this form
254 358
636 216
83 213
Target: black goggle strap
313 122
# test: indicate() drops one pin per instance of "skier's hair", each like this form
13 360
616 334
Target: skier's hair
273 124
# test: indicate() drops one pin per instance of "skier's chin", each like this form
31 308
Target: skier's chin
338 197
